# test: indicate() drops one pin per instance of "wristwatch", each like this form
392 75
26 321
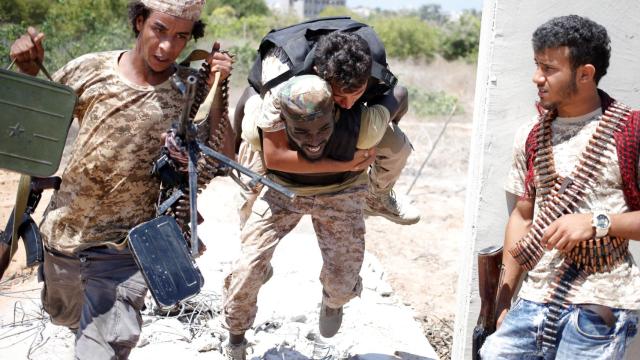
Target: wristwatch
601 222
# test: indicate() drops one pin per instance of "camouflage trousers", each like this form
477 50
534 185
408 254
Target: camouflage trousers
339 226
391 156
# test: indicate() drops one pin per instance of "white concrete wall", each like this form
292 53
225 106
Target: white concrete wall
504 99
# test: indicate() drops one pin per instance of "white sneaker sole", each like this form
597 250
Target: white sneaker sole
392 218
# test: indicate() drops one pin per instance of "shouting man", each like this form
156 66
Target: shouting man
125 101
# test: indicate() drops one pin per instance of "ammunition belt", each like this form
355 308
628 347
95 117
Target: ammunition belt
207 167
559 196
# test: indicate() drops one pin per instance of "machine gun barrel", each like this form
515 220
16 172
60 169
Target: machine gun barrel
187 134
188 90
255 178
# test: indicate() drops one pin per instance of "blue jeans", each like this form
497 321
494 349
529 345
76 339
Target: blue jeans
582 334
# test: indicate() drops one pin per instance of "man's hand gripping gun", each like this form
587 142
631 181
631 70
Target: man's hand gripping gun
186 136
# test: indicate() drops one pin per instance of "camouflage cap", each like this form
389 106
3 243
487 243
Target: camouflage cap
185 9
305 98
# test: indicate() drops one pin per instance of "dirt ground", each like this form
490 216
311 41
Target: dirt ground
420 261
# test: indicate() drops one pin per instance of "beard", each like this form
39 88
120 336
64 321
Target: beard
567 91
300 149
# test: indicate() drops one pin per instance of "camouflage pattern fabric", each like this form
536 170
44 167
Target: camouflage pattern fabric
306 98
339 225
185 9
253 161
107 187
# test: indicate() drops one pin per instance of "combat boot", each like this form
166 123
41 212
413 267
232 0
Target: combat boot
235 351
330 320
392 207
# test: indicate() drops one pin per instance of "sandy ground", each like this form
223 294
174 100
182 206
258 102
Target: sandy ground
420 262
376 326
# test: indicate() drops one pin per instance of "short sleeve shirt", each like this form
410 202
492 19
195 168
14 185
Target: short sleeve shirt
106 186
373 125
619 288
269 119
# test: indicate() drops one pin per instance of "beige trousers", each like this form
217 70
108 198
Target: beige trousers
338 222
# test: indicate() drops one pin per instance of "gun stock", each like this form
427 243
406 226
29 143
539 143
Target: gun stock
489 269
5 245
27 230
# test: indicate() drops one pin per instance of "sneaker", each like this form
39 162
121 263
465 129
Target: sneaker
330 320
392 207
235 352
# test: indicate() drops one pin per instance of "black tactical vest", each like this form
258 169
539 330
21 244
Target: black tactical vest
298 42
341 147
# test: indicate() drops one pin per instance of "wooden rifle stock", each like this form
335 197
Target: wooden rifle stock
27 229
489 271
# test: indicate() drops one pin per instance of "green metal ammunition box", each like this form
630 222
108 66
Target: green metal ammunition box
35 116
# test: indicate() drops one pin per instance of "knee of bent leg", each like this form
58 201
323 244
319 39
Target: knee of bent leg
394 143
402 96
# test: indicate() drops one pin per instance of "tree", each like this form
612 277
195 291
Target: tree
242 7
433 14
407 37
77 27
23 11
330 11
462 37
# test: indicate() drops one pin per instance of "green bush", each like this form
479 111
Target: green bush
245 55
462 37
430 103
432 13
23 11
76 27
248 28
340 11
73 28
407 37
241 7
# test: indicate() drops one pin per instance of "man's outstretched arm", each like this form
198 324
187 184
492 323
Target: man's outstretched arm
278 156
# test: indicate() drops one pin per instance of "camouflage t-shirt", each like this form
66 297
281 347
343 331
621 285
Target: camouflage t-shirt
106 186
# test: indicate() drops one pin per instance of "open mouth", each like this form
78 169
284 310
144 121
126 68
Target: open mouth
161 59
313 149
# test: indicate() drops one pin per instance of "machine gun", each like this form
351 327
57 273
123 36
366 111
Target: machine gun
186 135
176 277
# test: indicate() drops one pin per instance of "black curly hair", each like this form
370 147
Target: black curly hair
343 60
587 41
137 8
